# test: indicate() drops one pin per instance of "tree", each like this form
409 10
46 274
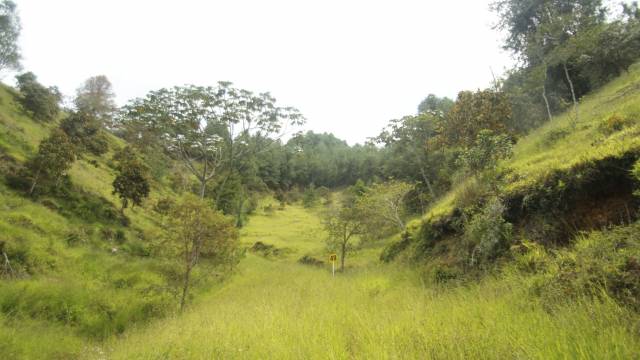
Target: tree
409 139
310 196
383 207
435 105
132 182
85 131
342 224
9 32
96 97
473 112
203 126
54 157
38 100
487 151
197 229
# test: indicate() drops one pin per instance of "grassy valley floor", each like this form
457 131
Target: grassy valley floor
279 309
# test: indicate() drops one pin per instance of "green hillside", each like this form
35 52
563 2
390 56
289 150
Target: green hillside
82 272
574 175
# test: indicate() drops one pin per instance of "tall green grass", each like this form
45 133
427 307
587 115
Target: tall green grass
279 309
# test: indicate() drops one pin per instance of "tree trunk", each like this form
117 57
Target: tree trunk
424 176
544 94
203 186
35 182
185 287
342 255
573 93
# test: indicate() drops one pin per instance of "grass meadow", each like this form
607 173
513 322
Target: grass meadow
275 308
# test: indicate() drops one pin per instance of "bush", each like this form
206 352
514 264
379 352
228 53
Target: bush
310 197
310 260
604 262
614 123
554 136
269 210
39 101
488 234
635 172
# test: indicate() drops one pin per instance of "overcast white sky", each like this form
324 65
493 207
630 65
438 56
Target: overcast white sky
349 66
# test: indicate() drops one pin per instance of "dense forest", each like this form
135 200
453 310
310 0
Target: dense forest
113 217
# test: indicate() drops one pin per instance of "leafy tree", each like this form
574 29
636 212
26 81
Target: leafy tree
310 196
410 141
198 230
54 157
342 224
132 182
488 149
96 98
488 234
39 101
383 207
9 32
474 112
85 131
203 126
435 105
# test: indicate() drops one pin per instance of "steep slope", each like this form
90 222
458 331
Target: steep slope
80 271
564 177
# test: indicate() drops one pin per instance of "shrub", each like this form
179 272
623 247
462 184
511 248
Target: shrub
85 132
554 136
252 204
488 149
39 101
310 260
603 262
488 233
614 123
310 196
635 171
269 210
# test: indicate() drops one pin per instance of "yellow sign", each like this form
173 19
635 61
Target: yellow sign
333 257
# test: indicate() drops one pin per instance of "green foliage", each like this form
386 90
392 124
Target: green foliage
207 128
163 206
473 113
10 29
600 264
342 224
486 152
40 102
199 231
85 131
383 209
132 182
488 234
636 174
435 104
54 157
310 196
615 123
96 98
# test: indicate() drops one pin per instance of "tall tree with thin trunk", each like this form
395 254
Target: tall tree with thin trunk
204 126
200 231
96 98
342 224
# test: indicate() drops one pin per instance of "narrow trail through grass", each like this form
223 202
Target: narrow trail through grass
276 308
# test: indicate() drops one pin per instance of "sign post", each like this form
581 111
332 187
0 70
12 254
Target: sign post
333 258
